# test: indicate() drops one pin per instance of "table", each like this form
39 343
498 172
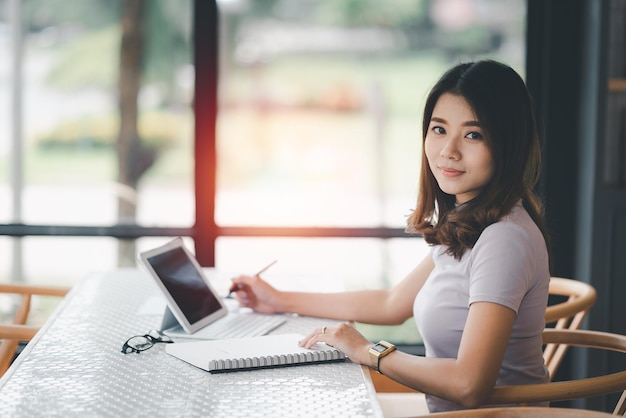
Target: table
74 367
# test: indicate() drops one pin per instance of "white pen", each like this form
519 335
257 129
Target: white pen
235 287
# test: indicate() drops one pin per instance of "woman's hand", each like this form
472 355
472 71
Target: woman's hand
343 337
255 293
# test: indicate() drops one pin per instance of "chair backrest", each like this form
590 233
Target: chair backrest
566 315
12 334
571 389
522 412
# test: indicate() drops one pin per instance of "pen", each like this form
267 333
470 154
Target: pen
236 287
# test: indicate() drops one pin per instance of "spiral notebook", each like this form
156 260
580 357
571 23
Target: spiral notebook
233 354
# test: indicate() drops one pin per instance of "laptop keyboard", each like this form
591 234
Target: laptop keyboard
235 326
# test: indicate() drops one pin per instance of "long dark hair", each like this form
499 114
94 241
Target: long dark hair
503 106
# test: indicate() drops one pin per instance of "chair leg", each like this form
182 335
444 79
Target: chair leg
620 408
7 352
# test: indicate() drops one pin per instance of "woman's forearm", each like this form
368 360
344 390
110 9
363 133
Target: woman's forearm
366 306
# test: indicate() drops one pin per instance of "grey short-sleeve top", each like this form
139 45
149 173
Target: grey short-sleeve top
508 265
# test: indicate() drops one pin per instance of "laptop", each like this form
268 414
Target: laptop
194 308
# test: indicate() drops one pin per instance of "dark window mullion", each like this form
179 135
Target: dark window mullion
206 60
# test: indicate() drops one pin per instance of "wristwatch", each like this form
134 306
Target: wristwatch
378 351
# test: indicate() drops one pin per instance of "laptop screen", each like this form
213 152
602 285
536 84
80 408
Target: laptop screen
184 283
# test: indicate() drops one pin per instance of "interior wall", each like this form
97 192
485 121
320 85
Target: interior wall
554 79
568 51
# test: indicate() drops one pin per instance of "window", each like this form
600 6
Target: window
70 176
316 140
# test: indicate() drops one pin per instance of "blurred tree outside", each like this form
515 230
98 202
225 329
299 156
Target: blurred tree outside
125 48
134 158
85 61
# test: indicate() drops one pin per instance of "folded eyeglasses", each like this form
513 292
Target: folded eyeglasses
139 343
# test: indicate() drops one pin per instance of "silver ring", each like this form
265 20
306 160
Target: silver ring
323 330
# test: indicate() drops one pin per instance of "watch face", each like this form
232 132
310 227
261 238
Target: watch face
379 348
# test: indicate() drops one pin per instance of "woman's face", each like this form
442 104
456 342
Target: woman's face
456 149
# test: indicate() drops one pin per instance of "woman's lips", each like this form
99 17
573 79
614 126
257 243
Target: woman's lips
450 172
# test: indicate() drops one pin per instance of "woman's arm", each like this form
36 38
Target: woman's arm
387 307
469 379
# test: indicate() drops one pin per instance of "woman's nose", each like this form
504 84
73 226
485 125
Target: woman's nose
450 150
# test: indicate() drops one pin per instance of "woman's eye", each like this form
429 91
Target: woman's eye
474 135
439 130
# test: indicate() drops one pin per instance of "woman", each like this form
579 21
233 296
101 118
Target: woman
479 297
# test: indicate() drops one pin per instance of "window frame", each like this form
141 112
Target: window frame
204 231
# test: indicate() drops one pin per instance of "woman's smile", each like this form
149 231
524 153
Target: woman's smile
450 172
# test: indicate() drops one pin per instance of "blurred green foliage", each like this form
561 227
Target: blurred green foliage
390 13
87 39
89 61
158 129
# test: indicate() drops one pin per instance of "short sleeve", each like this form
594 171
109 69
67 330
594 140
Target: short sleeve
502 265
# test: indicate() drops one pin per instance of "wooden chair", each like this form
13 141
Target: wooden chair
571 389
522 412
12 334
559 391
396 399
568 314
